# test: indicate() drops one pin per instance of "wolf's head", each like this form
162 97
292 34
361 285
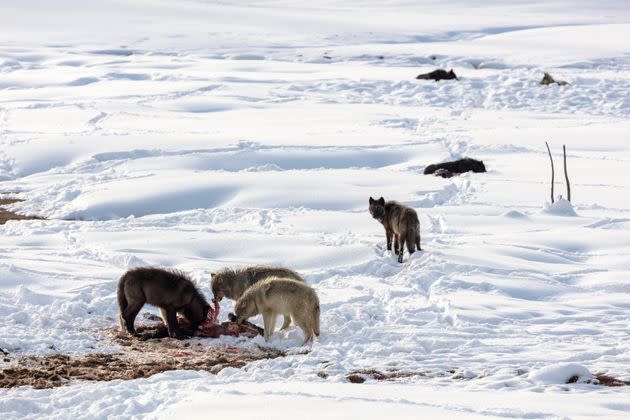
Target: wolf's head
475 165
245 308
377 208
220 283
196 311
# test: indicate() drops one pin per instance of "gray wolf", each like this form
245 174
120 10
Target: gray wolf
275 296
232 283
400 222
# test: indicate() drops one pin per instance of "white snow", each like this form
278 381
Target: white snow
198 135
561 374
560 207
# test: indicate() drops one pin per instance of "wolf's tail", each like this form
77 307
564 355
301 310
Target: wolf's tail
122 301
120 294
412 239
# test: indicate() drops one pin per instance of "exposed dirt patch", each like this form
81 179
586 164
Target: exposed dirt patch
601 379
360 376
140 359
605 380
355 379
6 215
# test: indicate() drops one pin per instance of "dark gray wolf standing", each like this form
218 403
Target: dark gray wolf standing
232 283
171 291
275 296
399 221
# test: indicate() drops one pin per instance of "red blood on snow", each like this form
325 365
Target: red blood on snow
209 328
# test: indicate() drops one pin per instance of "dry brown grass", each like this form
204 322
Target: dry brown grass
6 215
605 380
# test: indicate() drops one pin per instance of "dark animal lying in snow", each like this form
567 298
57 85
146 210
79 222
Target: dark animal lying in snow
438 75
444 173
449 169
548 80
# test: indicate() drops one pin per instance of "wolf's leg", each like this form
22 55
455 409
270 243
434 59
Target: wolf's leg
287 321
396 244
388 235
129 316
274 319
164 316
267 316
305 325
418 240
171 322
402 248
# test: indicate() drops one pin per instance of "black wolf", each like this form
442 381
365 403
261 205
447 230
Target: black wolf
171 291
456 167
438 75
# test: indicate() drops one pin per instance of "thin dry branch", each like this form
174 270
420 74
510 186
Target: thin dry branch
566 175
552 171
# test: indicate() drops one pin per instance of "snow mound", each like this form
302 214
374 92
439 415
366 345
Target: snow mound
561 373
514 214
561 207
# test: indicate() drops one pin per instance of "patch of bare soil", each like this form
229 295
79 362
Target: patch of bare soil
6 215
360 376
605 380
140 359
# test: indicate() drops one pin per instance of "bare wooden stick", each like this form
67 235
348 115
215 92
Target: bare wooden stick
552 172
566 176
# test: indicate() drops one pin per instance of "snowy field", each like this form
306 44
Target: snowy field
200 134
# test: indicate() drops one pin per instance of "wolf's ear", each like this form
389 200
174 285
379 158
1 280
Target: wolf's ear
371 200
381 201
212 274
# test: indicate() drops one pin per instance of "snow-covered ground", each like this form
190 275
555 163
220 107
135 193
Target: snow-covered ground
199 135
